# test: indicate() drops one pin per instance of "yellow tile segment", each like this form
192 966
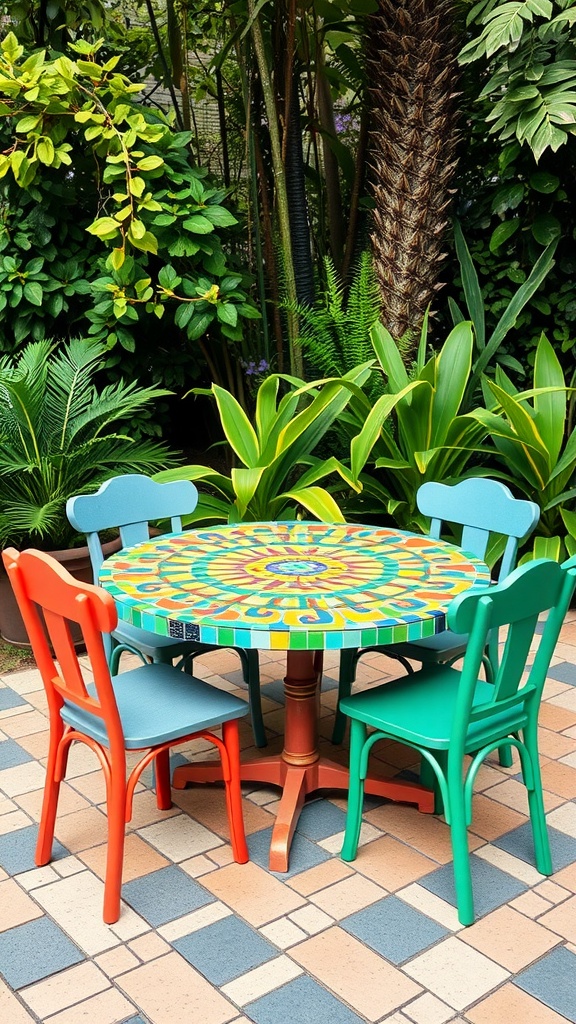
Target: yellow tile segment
510 1005
16 907
252 892
354 973
75 903
510 939
456 973
566 877
64 989
169 990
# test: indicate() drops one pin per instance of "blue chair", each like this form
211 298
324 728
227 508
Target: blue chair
447 714
482 507
129 503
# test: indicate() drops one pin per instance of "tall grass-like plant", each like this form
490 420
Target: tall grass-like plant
59 437
279 475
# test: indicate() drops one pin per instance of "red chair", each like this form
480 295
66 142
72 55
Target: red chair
150 708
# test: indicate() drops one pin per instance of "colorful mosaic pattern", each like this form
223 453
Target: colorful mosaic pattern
291 586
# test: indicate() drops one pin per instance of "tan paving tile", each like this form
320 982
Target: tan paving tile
559 778
139 858
283 933
207 805
180 838
116 961
75 903
513 794
354 973
562 919
566 877
319 877
566 701
22 778
11 1010
527 873
514 1006
36 745
82 829
312 919
62 990
392 864
25 724
170 989
348 896
221 856
456 973
17 907
555 744
491 819
427 1009
194 921
564 819
555 715
509 938
68 802
13 821
551 891
149 946
530 904
431 905
91 786
261 980
252 892
106 1008
423 832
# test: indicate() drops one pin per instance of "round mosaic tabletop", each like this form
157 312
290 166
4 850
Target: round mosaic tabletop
291 586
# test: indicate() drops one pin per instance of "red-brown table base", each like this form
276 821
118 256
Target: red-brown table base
299 770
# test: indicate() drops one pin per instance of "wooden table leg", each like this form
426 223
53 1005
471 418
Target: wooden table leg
300 770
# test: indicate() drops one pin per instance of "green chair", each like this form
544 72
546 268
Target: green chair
447 714
481 508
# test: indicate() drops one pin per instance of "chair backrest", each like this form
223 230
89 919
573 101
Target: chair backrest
482 507
129 503
41 583
542 585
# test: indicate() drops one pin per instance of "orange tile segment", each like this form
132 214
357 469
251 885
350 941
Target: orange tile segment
392 864
16 907
513 1006
251 892
509 938
139 859
169 989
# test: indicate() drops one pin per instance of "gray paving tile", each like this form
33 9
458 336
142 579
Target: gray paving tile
303 853
520 844
552 980
17 850
320 819
491 886
225 950
10 699
393 929
564 673
35 950
12 754
301 1001
165 895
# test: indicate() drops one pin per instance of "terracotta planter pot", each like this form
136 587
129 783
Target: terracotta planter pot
75 560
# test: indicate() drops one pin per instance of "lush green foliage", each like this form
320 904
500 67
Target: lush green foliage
58 438
528 47
536 445
104 218
416 431
279 474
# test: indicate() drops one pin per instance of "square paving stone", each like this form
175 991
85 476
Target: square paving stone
10 699
165 895
225 950
34 951
393 929
565 672
552 980
301 1001
520 844
303 853
320 819
17 850
491 886
12 754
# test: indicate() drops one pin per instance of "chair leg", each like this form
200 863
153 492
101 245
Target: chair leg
348 661
536 805
162 779
251 672
49 802
355 791
116 807
234 792
459 838
428 779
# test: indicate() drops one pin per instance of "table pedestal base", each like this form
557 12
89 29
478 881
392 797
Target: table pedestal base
299 769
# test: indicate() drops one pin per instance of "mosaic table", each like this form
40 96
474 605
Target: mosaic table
303 588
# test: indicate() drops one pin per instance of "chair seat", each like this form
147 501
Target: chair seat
148 642
440 647
420 709
157 703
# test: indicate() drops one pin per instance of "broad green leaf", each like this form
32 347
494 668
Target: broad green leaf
33 292
569 519
503 232
471 286
103 227
389 357
550 407
453 370
266 408
237 427
363 443
547 547
317 501
245 482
